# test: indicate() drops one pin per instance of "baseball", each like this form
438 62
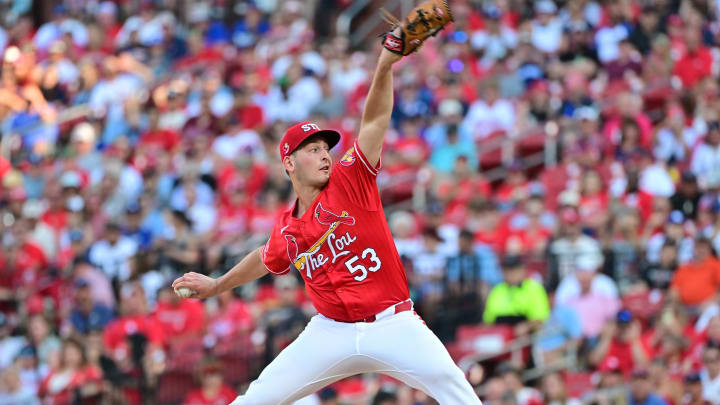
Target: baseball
184 292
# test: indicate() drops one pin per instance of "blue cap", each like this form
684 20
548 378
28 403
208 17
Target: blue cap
676 217
624 316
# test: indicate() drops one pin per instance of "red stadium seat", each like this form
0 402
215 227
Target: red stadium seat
173 387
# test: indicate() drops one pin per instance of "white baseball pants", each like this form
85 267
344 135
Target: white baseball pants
399 345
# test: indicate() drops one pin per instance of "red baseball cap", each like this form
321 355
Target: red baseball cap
297 134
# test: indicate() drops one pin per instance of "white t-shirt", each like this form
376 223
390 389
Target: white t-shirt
705 161
113 260
228 146
607 40
711 387
547 38
483 119
656 180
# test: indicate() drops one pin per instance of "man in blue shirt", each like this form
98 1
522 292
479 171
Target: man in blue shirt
88 315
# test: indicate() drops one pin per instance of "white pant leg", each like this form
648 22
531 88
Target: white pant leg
326 351
413 354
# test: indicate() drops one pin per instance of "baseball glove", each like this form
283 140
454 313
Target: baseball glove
424 21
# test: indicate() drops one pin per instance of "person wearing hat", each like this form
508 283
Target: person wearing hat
336 236
687 196
87 314
518 301
694 390
673 232
621 345
213 389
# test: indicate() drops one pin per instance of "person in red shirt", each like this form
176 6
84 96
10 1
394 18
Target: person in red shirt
336 235
621 345
696 64
134 331
177 317
72 379
214 391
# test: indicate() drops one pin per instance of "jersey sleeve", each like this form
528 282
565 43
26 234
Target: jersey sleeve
358 179
274 254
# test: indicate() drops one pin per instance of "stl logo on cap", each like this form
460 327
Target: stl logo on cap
286 148
310 127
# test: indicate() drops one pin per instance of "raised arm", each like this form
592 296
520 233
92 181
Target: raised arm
378 107
249 269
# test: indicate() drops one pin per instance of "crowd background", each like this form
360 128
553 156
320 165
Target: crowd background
139 141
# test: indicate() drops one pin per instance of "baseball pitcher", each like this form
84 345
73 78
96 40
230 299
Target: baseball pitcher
337 237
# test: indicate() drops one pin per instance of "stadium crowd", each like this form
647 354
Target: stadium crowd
139 142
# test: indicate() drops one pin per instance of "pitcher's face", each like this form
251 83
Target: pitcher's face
311 163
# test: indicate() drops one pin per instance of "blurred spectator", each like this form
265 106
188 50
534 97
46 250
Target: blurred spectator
710 374
73 379
562 332
113 253
445 156
10 345
213 389
489 115
514 384
641 390
429 266
687 196
706 159
694 390
231 318
697 282
554 392
594 297
570 244
495 387
42 340
666 382
518 301
12 391
178 317
546 32
87 314
621 345
659 275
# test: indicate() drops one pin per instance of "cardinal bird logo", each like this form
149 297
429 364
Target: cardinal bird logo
292 247
349 158
324 217
330 218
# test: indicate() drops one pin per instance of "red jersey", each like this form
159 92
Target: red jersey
342 245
